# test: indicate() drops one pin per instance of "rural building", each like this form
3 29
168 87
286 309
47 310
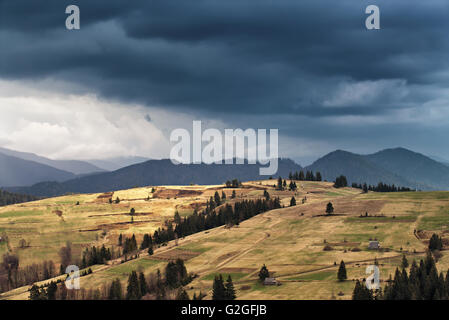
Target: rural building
271 282
374 245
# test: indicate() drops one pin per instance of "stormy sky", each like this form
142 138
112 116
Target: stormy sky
138 69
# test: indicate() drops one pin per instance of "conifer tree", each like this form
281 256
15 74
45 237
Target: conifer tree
329 208
292 202
266 195
182 295
217 199
279 186
435 242
229 289
51 291
342 272
404 262
115 290
133 289
219 291
143 284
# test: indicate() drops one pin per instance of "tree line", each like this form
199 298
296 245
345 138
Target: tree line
209 218
307 176
381 187
12 276
341 182
7 198
154 286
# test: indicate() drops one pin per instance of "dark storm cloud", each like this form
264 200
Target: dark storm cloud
239 55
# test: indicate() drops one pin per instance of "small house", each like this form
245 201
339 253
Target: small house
374 245
271 282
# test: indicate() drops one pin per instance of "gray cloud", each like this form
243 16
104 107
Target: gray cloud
307 61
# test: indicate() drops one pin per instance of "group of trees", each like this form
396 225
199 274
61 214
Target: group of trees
381 187
12 276
153 286
49 293
7 198
422 282
95 255
210 218
341 182
235 183
282 185
223 291
308 176
129 245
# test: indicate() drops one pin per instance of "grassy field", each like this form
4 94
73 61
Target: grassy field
290 240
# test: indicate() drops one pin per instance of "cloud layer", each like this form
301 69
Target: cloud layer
309 68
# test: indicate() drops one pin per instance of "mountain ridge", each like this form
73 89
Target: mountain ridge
155 172
398 166
76 167
16 171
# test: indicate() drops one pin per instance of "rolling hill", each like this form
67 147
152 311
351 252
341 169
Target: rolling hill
299 245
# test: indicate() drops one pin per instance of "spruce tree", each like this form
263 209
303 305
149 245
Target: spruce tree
51 291
279 186
342 272
133 289
217 199
115 290
292 202
219 291
143 284
404 262
329 208
229 289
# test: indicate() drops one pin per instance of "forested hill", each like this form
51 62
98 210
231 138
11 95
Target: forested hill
7 198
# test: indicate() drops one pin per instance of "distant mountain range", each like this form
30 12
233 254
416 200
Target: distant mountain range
112 164
19 172
155 172
73 166
398 166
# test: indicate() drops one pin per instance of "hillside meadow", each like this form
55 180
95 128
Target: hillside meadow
300 245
